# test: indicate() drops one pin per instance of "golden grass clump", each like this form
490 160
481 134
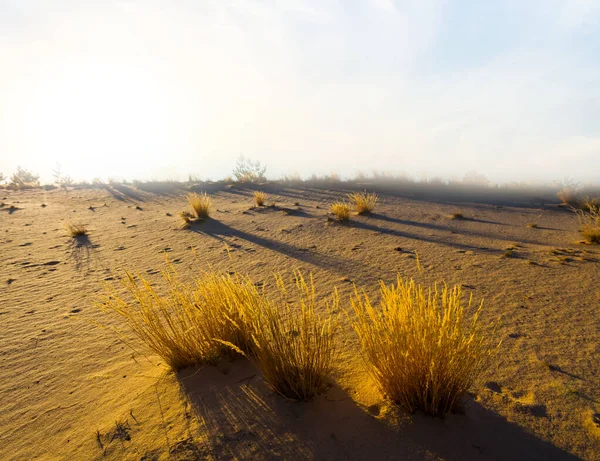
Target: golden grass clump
364 202
589 223
422 351
76 230
260 198
294 346
201 204
341 211
193 323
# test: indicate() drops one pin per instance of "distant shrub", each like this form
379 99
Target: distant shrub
568 196
24 178
60 178
260 198
363 202
248 171
341 211
421 349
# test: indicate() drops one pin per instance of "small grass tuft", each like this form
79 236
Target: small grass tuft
457 215
532 225
341 211
260 198
76 230
201 204
363 202
421 349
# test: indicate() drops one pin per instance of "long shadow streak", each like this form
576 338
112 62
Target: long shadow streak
455 230
343 266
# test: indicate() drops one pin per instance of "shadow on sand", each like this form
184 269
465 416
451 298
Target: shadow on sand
82 251
240 418
336 263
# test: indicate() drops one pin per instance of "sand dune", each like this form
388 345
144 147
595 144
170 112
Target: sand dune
73 390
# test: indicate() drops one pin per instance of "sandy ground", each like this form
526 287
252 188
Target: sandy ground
72 390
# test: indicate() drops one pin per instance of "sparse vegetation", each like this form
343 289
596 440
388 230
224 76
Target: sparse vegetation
23 178
294 347
248 171
589 223
60 178
532 225
568 196
199 322
76 230
194 323
201 205
363 202
341 211
421 349
457 215
589 203
260 198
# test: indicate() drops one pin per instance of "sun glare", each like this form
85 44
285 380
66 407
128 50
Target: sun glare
115 116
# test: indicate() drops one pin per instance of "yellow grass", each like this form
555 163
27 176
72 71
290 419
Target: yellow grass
190 323
294 346
589 222
197 323
76 230
363 202
201 204
588 203
341 211
421 349
260 198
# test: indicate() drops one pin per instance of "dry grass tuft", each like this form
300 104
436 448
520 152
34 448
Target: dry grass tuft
589 203
294 346
532 225
76 230
422 351
589 222
201 204
363 202
457 215
193 323
187 219
341 211
260 198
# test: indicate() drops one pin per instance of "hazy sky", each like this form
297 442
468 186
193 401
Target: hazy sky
160 89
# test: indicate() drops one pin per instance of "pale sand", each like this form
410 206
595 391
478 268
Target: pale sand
64 381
